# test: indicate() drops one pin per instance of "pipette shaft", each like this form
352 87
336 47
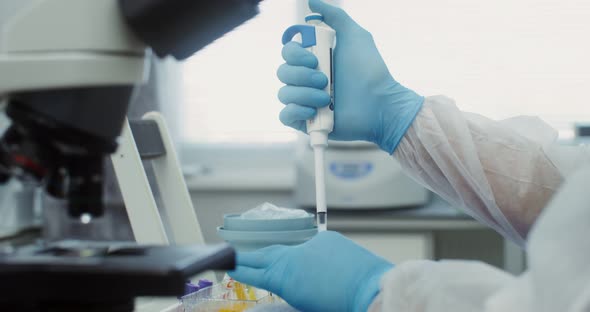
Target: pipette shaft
320 188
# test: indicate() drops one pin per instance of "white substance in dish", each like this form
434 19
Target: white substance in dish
268 211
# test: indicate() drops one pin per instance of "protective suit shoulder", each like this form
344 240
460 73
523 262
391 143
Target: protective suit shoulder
429 286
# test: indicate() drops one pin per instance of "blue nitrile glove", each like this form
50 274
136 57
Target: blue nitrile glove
369 104
327 273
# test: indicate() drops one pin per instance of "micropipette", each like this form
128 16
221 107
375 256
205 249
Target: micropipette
319 38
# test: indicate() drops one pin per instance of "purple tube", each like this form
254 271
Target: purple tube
204 283
190 288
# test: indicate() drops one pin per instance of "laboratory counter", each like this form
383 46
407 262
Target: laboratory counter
437 214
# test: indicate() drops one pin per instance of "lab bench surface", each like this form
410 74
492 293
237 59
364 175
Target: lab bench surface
435 215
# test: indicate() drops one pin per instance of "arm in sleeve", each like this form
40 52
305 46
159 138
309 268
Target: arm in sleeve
497 171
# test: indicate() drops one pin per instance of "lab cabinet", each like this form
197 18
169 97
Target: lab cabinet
469 244
395 247
436 231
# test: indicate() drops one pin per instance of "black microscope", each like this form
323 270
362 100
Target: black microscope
68 71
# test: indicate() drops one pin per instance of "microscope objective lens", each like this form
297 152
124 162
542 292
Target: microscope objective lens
85 218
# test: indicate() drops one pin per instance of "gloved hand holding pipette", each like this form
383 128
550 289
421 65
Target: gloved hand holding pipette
346 93
327 273
369 104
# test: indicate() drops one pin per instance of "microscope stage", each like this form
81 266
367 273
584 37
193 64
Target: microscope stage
73 273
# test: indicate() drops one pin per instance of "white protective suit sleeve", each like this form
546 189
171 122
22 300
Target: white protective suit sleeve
497 171
429 286
501 172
